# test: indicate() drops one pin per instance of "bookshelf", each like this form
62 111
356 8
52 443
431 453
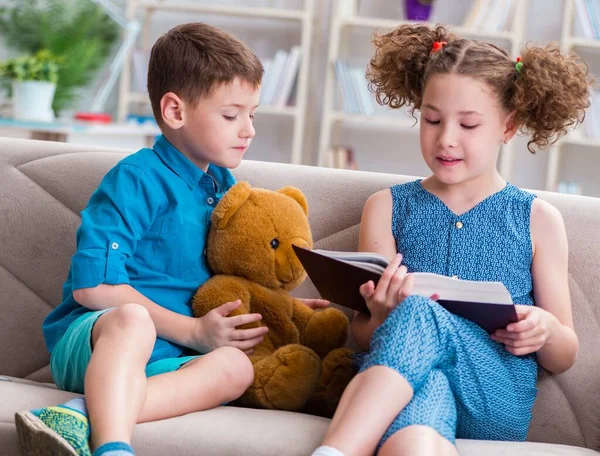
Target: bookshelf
199 10
575 140
344 19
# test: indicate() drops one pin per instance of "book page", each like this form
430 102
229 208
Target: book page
357 257
451 289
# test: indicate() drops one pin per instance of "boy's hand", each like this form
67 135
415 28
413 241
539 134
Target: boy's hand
314 303
216 329
393 287
529 334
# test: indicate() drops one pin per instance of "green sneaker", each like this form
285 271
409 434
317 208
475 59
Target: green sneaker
57 430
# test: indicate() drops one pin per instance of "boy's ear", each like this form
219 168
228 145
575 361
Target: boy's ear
230 203
171 110
296 194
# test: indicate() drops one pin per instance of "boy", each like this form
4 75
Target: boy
122 331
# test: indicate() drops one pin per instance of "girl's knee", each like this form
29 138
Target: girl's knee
414 307
417 439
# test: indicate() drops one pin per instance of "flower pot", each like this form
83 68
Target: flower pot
417 10
32 100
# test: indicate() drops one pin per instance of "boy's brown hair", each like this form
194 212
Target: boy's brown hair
549 92
190 60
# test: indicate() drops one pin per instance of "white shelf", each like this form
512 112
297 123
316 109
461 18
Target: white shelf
583 43
370 22
137 97
577 140
240 11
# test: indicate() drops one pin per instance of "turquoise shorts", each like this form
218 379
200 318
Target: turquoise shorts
71 356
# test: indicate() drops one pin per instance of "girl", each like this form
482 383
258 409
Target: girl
431 376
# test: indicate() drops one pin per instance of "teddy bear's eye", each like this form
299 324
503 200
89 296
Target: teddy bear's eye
275 243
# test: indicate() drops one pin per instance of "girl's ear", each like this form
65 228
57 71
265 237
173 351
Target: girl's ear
230 203
510 128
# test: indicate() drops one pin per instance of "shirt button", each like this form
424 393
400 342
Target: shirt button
114 246
458 225
210 201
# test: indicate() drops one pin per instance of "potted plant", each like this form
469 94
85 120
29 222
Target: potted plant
33 79
418 10
79 31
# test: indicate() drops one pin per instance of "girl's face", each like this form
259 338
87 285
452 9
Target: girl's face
462 128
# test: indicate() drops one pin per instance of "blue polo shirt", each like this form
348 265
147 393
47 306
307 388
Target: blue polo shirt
146 225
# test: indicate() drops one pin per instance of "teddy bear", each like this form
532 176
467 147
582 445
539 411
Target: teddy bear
301 364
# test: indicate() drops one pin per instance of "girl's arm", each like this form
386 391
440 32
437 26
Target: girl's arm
547 327
375 236
551 286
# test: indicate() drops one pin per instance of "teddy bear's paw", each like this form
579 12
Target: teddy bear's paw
326 330
285 380
337 369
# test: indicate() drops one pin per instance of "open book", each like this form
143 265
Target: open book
339 275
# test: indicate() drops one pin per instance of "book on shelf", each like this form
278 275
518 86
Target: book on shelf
587 19
356 98
341 158
491 15
280 77
338 277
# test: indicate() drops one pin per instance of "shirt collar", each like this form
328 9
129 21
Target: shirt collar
188 171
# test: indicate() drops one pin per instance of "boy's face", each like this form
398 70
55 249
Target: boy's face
219 128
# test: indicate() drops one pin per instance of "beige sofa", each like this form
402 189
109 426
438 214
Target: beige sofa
44 186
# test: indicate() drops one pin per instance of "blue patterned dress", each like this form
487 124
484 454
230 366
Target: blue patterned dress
465 384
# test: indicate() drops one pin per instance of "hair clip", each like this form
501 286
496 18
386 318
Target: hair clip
519 65
438 45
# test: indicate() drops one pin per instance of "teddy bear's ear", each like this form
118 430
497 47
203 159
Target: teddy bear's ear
296 194
230 203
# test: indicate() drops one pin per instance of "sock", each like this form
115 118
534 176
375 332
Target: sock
327 451
70 421
114 449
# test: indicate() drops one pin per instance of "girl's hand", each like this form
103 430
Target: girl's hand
529 334
314 303
393 287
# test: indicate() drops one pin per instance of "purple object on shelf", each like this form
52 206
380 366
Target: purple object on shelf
417 10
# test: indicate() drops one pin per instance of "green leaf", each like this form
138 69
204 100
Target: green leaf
77 31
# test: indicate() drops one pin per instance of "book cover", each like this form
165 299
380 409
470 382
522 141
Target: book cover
338 280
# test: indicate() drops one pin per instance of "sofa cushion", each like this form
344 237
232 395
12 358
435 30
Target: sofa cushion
233 431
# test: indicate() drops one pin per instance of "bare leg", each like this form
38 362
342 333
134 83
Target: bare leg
416 439
115 380
204 383
356 431
119 395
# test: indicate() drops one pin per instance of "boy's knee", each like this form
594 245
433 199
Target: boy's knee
132 319
237 369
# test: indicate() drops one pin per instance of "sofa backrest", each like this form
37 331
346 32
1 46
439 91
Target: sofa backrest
44 186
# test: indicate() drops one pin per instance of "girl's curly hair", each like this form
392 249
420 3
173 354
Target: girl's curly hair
549 94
